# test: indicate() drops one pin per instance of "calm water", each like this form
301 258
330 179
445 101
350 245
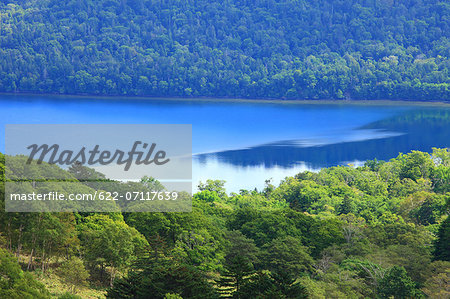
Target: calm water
247 143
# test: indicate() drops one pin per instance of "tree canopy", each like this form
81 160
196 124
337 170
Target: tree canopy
358 49
379 230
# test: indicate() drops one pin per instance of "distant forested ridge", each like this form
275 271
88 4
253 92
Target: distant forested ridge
294 49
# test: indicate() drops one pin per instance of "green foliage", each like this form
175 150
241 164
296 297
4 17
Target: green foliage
14 283
240 258
151 183
214 186
396 283
301 195
442 244
308 50
288 257
437 284
157 280
200 249
160 273
264 226
69 296
263 285
374 165
343 232
208 196
415 165
108 242
73 273
414 258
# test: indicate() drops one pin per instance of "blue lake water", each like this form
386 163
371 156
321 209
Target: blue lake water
246 143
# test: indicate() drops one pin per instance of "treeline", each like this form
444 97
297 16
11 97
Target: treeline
294 49
376 231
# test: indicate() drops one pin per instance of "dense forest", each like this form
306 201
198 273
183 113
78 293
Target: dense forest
375 231
288 49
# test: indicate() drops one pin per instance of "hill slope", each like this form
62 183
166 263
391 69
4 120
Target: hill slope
359 49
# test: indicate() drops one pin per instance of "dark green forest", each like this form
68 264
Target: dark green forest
377 231
291 49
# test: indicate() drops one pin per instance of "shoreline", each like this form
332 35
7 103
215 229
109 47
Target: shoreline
233 100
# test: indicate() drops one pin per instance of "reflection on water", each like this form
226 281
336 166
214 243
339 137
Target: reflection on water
318 152
249 142
420 129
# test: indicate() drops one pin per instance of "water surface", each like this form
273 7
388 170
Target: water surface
246 143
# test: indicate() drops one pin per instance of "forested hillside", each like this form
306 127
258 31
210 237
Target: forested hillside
376 231
295 49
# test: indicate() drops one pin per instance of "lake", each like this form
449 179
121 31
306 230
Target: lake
245 142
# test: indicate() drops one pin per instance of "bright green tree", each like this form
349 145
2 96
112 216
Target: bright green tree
108 242
14 283
73 273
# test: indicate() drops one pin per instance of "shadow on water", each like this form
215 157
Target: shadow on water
420 129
